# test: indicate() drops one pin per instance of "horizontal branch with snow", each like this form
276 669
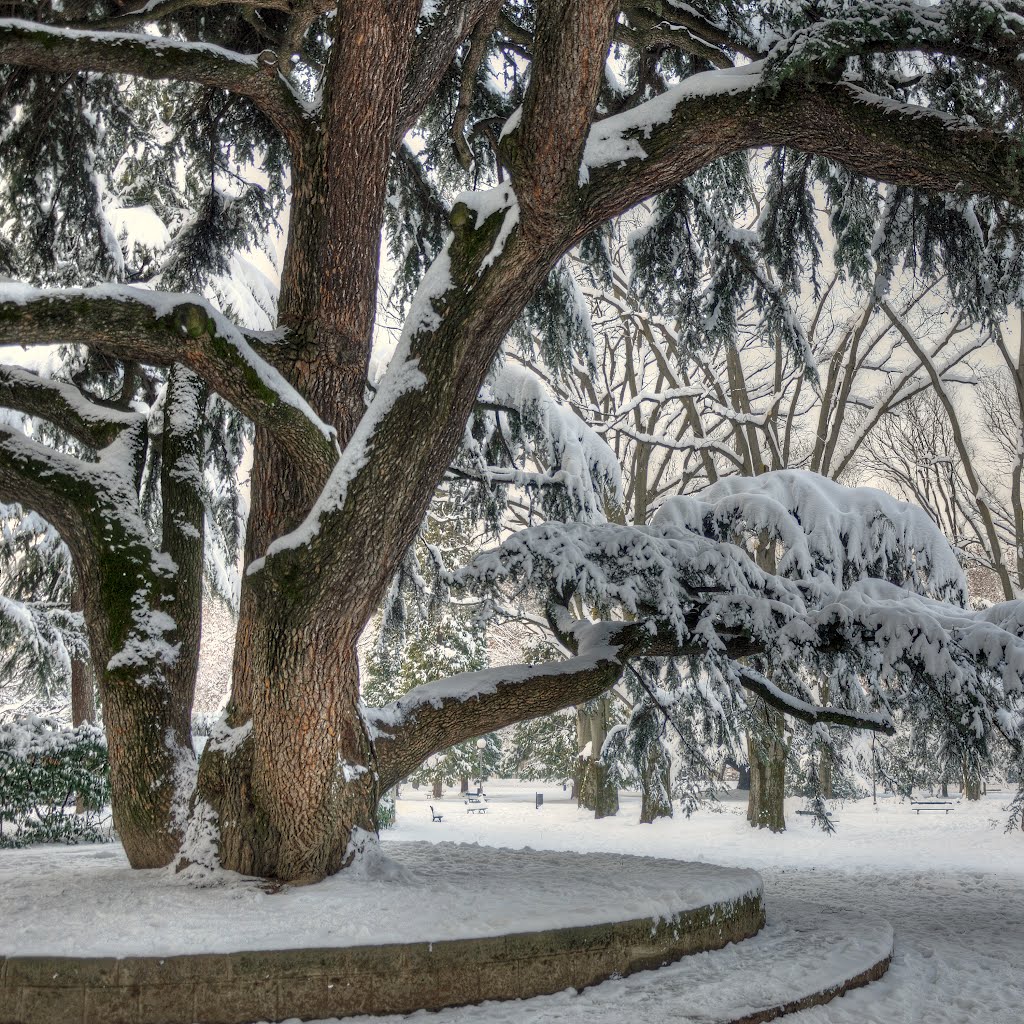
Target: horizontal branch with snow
164 328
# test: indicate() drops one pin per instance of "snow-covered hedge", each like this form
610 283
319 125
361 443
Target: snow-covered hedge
46 770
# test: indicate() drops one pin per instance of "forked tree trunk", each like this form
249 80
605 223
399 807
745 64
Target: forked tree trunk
767 755
293 789
294 795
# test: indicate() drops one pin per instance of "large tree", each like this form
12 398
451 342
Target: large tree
575 111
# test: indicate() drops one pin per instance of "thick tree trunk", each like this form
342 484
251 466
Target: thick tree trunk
464 784
292 796
295 790
438 790
139 611
767 755
972 786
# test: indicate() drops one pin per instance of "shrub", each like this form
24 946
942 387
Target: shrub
45 771
386 810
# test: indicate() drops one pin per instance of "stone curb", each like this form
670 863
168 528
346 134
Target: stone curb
237 988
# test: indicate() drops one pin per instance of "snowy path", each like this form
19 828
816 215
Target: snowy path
817 950
952 887
959 939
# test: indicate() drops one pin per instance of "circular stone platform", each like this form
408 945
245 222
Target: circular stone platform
451 924
805 956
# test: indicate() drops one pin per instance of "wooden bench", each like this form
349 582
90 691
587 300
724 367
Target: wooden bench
434 816
475 804
932 805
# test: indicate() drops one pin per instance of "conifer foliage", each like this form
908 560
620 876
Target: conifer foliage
487 140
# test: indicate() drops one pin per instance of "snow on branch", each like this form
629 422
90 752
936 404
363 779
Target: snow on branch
546 434
434 716
863 591
990 33
63 405
635 154
51 48
618 139
163 328
822 529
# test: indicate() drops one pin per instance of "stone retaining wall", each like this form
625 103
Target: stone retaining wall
237 988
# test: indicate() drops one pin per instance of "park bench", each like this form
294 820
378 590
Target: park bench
932 805
434 816
828 814
475 804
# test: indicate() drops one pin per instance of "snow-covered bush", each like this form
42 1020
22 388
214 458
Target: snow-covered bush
46 770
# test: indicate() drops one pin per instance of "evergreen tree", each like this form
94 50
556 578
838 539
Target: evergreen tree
553 117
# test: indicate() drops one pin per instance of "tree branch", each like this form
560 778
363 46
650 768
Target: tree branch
64 406
434 50
46 48
48 483
161 329
434 716
570 48
633 155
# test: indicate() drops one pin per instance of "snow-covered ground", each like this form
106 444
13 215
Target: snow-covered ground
87 901
951 884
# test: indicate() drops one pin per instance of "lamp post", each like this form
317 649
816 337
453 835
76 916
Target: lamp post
481 745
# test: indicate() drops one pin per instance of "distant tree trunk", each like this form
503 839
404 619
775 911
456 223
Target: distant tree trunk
767 755
945 789
83 693
582 763
464 784
597 791
83 682
825 755
655 785
972 786
825 772
437 792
